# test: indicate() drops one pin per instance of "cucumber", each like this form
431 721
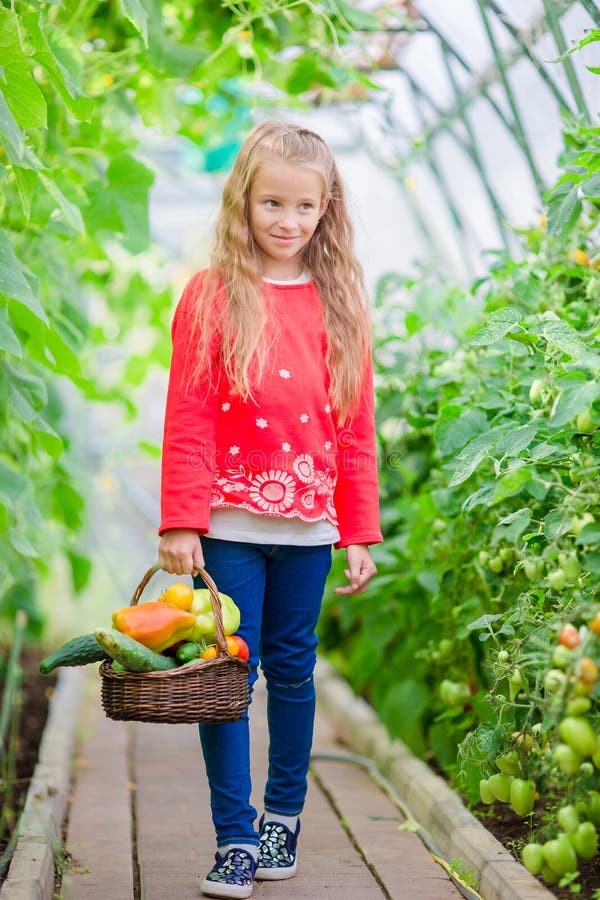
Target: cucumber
79 651
131 654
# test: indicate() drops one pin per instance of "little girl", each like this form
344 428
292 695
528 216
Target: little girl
269 460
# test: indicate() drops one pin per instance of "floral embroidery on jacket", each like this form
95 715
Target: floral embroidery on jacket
275 491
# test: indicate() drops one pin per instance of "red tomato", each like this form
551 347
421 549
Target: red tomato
243 649
569 637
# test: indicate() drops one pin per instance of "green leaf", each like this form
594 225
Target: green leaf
12 483
71 213
13 139
20 89
573 401
590 535
48 438
27 181
483 495
13 282
151 449
484 621
591 562
563 211
555 524
590 187
9 342
64 81
357 19
563 336
137 15
499 322
511 527
512 483
403 704
130 182
22 544
456 428
471 455
81 568
514 442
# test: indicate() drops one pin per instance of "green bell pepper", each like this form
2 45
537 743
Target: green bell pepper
204 628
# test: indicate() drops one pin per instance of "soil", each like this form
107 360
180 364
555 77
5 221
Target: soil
36 692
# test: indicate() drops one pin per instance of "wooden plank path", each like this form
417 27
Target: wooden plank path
139 824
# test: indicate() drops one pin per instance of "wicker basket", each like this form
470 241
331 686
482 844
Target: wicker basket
214 690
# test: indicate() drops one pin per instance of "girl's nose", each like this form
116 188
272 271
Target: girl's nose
286 220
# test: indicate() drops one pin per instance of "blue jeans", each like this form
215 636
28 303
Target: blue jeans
279 590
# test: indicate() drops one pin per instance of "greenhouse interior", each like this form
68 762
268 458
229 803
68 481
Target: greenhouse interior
451 304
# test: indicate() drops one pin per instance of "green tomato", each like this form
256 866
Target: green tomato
579 706
549 875
568 819
535 392
588 807
484 792
560 855
506 555
503 656
585 423
438 525
561 656
522 796
484 557
515 683
557 579
533 858
566 759
454 693
554 680
496 565
579 735
499 786
569 563
585 840
586 769
508 763
445 646
578 523
530 567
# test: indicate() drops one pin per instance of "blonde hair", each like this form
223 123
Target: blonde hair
231 303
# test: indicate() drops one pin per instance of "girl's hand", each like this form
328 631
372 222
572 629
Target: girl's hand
180 552
361 569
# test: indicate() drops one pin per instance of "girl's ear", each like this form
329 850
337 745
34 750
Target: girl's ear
324 205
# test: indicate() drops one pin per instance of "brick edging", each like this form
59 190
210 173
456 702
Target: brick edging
432 802
32 868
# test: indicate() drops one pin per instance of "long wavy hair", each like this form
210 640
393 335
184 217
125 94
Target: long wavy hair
231 306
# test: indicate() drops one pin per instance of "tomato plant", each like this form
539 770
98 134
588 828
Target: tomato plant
488 415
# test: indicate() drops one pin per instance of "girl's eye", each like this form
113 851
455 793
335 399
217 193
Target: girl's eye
306 206
271 203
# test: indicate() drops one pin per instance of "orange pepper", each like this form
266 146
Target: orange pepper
155 625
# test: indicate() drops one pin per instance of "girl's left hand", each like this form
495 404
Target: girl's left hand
361 569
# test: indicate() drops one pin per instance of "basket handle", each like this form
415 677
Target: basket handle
215 602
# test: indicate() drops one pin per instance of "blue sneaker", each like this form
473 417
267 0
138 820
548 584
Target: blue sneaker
277 851
231 876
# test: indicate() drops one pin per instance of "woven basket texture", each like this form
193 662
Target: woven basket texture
214 690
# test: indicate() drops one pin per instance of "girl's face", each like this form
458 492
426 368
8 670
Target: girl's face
285 204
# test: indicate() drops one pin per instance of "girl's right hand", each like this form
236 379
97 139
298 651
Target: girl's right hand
180 552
